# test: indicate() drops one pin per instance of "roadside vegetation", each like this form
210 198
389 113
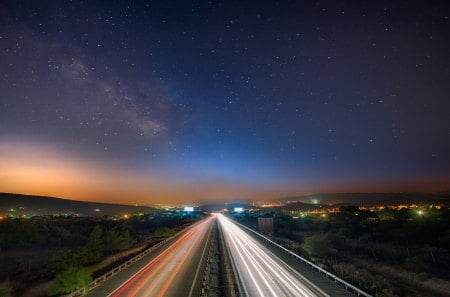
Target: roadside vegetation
387 253
53 256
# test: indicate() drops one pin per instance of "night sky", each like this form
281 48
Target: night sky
166 102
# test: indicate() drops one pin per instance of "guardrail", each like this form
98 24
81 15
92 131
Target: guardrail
336 279
119 268
205 281
233 281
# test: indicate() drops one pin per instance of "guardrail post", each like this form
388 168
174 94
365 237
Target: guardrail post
110 273
307 262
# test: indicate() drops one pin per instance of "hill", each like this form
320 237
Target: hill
369 199
29 205
215 207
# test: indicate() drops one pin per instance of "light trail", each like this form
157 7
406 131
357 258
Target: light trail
163 273
260 272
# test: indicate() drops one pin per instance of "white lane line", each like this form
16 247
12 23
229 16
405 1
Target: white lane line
149 263
272 271
198 268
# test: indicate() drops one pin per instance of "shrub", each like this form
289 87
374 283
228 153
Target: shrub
318 245
70 280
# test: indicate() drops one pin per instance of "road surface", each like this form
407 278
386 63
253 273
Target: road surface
259 271
176 271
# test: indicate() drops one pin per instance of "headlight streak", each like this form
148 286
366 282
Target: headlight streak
156 277
260 271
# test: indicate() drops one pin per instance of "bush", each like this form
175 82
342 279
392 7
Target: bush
76 258
70 280
163 232
117 239
318 245
416 263
5 289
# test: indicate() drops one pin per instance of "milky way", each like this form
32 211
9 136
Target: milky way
171 101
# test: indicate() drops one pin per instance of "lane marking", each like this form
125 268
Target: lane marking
172 276
198 268
148 265
269 267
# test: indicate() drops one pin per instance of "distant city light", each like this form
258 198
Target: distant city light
420 213
97 210
238 209
189 208
315 201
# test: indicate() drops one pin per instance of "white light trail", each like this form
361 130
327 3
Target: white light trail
261 273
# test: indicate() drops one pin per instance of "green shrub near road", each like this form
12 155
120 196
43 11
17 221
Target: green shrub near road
318 245
70 280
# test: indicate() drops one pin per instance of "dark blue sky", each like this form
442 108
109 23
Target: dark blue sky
216 100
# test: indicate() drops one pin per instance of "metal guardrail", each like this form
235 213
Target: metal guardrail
234 283
119 268
206 273
336 279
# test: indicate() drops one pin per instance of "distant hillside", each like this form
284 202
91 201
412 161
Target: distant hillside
298 206
370 199
40 205
215 207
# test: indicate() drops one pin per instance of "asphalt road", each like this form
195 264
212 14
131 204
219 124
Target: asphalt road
327 285
175 271
259 271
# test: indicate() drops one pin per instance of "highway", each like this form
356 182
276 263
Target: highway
175 271
259 271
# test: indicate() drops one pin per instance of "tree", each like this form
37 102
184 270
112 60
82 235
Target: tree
95 244
117 239
163 232
318 245
5 289
70 280
417 263
75 258
95 238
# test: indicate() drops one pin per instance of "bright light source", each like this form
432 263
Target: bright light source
188 208
97 209
238 209
315 201
126 216
420 213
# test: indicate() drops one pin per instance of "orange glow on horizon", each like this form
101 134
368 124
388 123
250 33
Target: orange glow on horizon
43 170
49 172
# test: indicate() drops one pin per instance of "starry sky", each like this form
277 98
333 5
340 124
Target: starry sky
173 102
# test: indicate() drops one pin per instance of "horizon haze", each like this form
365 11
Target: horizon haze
156 103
